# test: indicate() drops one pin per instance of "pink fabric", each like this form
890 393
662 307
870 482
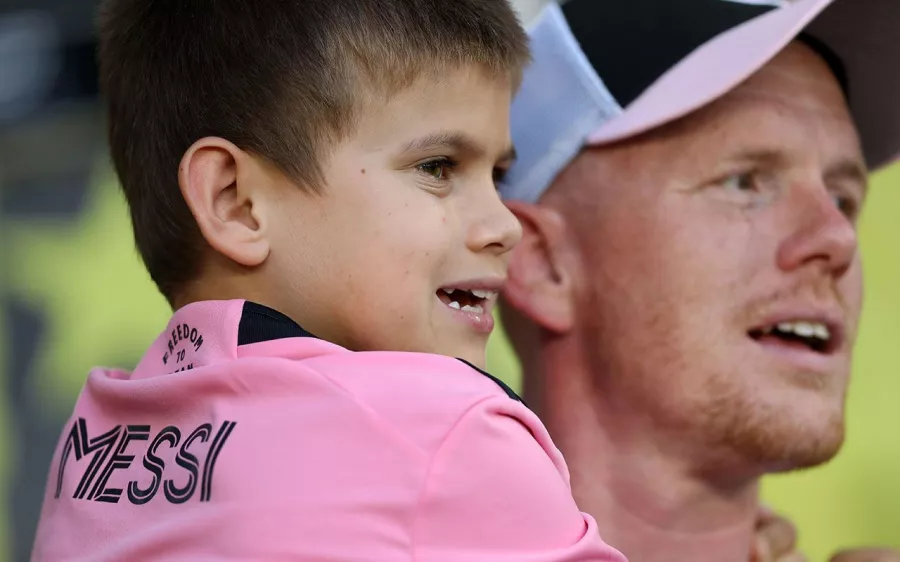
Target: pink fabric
297 449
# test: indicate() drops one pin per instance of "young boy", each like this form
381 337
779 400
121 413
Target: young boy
329 164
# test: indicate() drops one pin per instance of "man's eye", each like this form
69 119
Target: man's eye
847 205
740 182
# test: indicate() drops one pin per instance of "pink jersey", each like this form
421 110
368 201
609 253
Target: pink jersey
242 437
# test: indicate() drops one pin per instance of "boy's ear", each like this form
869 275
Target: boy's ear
539 284
224 203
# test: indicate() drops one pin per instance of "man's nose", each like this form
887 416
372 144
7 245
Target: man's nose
823 235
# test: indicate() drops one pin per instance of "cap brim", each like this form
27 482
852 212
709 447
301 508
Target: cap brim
864 36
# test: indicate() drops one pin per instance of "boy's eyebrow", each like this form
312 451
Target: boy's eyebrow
457 141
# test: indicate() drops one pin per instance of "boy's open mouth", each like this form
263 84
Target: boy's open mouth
467 300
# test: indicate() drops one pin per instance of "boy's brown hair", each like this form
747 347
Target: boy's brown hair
284 79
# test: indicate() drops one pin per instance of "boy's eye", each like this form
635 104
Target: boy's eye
499 175
437 169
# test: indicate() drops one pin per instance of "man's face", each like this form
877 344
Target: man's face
721 286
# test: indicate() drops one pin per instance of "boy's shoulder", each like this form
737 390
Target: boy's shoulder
417 393
228 344
406 377
412 392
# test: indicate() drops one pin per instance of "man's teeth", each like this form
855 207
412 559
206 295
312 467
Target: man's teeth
802 329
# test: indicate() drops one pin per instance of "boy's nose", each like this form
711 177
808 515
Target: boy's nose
497 230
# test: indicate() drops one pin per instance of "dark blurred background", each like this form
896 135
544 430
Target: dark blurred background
73 293
51 139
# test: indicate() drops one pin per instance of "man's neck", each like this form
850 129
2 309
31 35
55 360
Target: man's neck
652 505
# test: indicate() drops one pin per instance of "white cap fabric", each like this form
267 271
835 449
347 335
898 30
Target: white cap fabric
607 71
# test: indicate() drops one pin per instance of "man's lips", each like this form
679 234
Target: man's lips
819 331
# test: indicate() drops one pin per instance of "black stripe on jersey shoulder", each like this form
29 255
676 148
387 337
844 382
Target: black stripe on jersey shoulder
509 392
260 324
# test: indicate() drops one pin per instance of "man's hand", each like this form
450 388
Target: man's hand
776 540
867 555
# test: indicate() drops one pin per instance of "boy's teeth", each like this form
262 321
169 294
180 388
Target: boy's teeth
476 308
479 293
454 304
483 294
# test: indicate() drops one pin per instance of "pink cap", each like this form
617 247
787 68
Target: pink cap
607 71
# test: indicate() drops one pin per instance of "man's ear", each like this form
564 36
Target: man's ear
540 284
225 204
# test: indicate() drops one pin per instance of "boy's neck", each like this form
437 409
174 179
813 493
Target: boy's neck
218 283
